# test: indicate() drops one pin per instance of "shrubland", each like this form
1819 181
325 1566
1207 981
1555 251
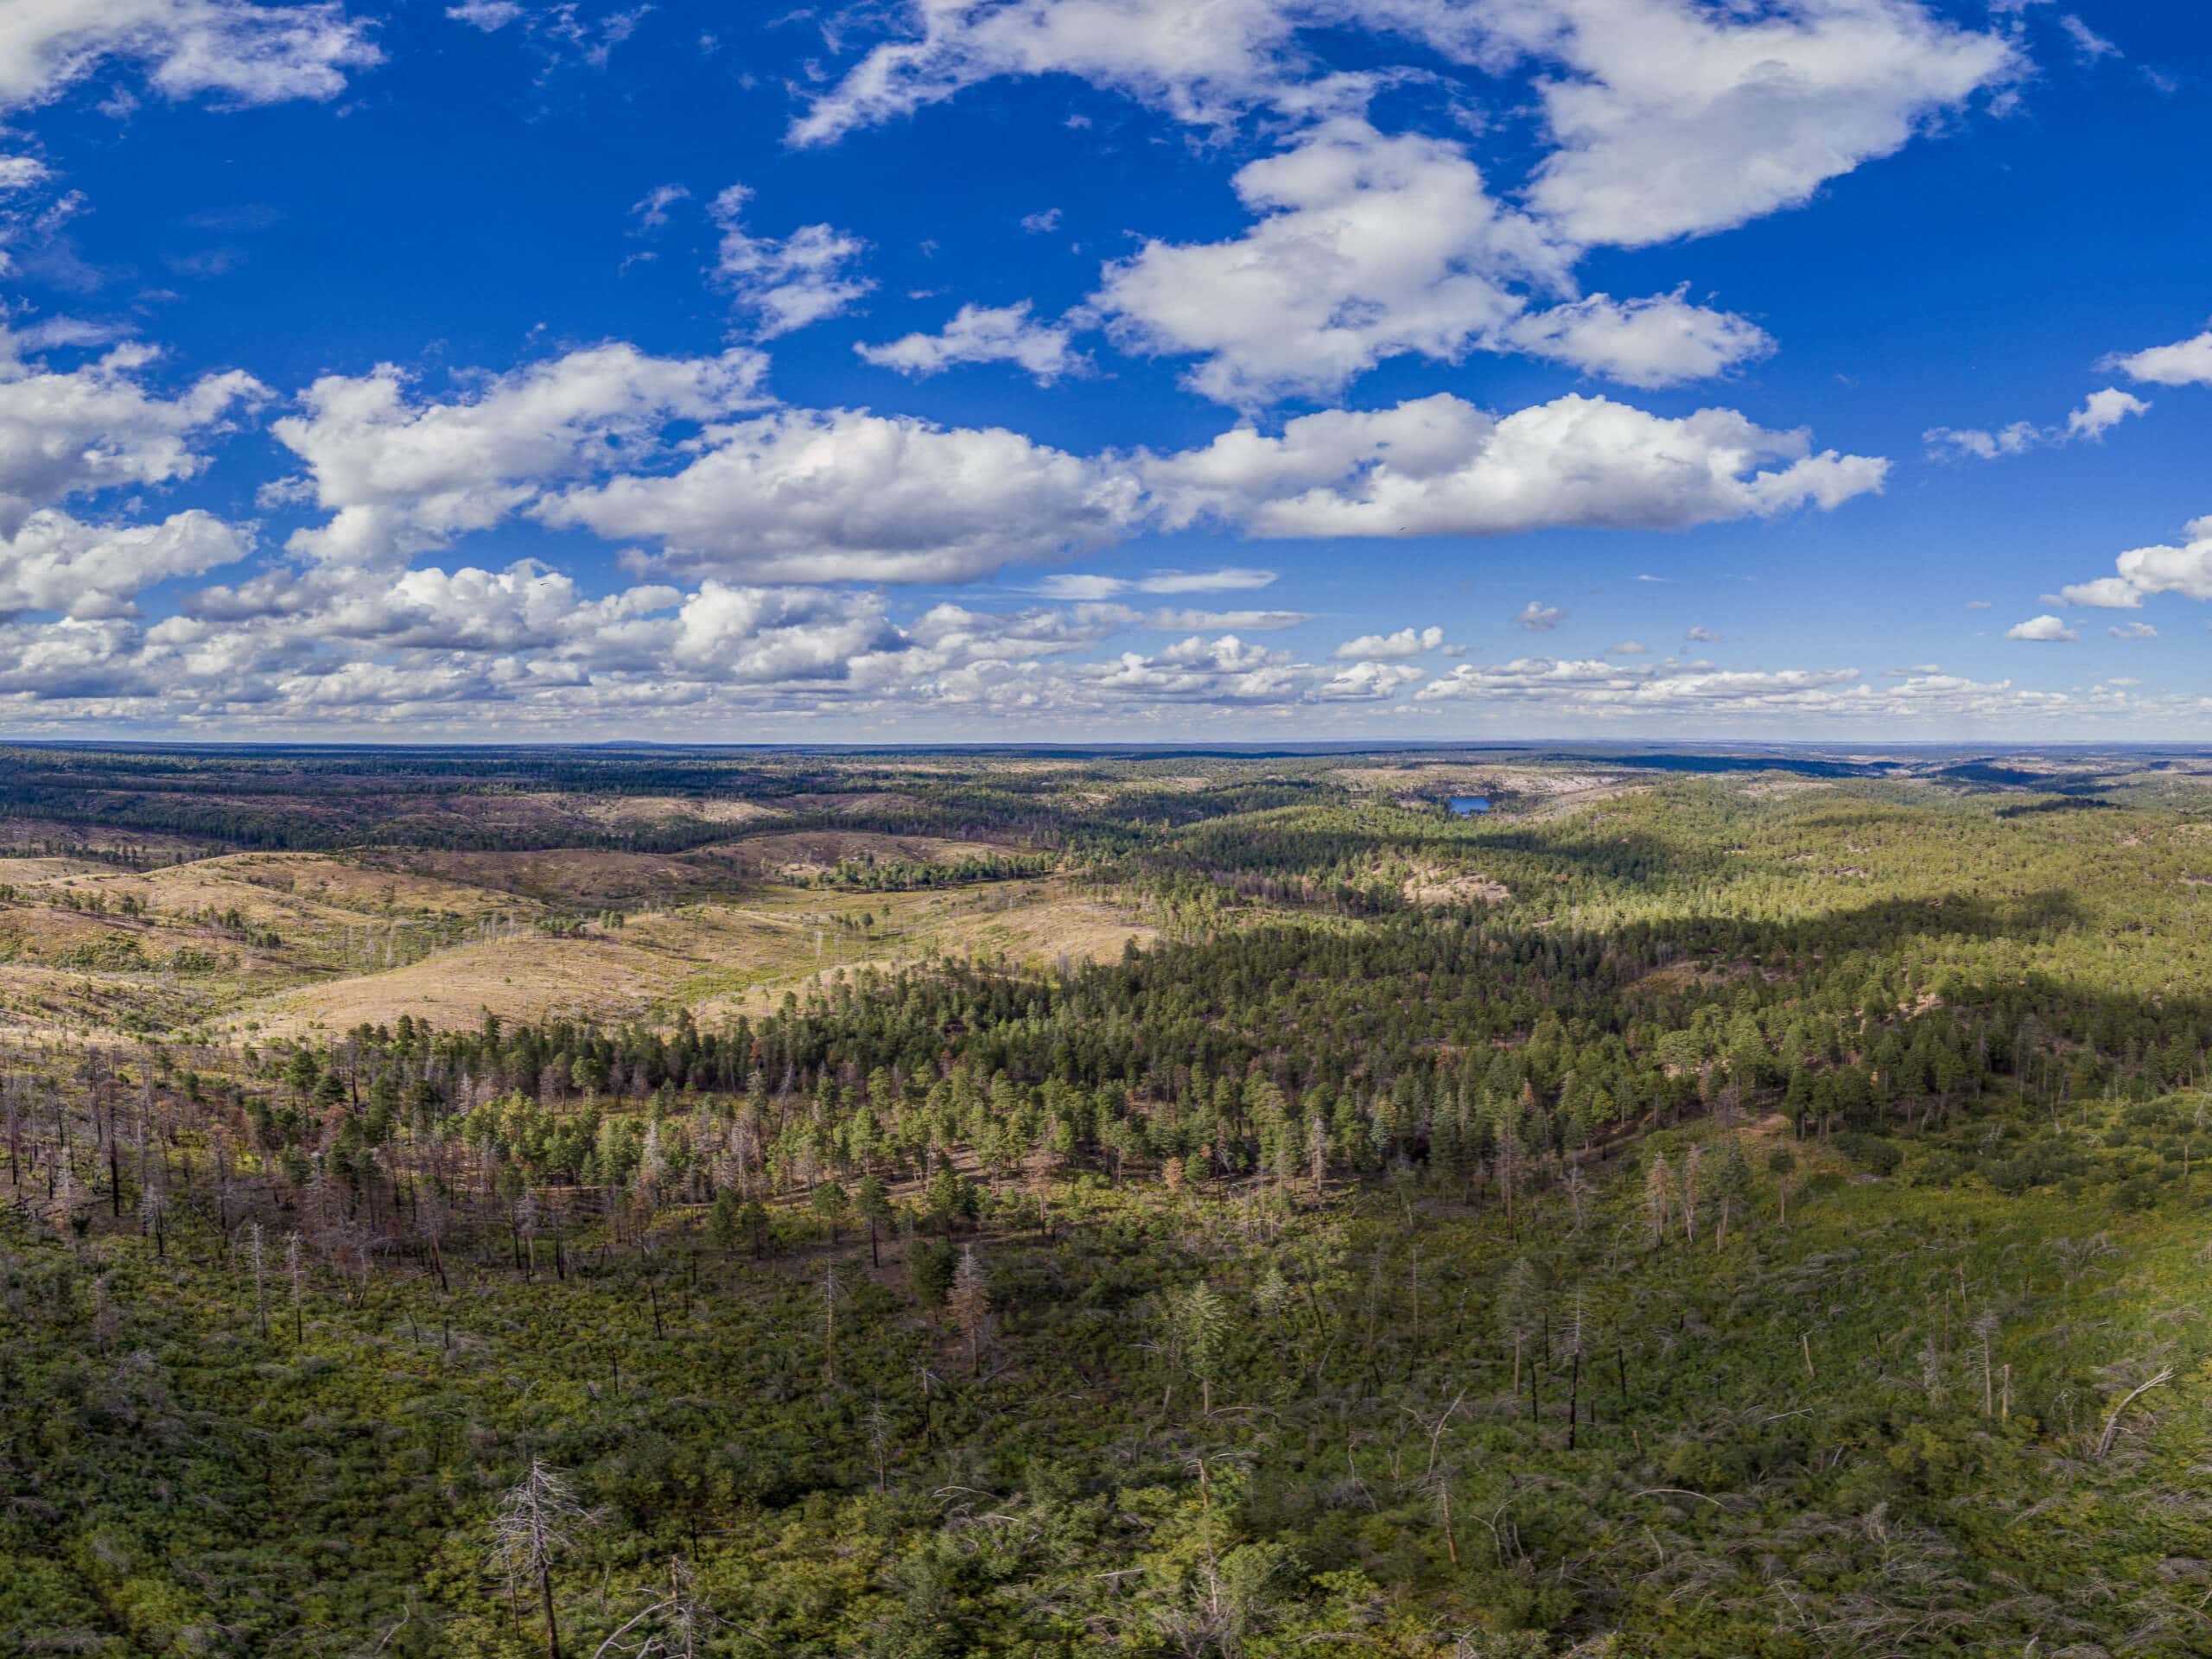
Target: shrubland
1721 1220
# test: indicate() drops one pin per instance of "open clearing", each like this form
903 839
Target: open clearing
531 975
713 956
296 890
569 878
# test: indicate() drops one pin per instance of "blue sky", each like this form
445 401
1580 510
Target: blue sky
1133 369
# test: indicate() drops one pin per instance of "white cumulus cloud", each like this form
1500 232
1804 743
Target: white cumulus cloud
1006 333
2098 414
1200 62
1650 107
844 495
1593 686
2103 412
99 427
401 475
2143 572
52 562
1389 647
1661 120
1676 119
23 172
1366 682
2184 363
1439 465
236 51
1659 341
786 282
1364 245
490 16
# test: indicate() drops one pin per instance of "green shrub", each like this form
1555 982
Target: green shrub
1871 1152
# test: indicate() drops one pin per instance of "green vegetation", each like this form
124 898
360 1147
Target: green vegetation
902 876
1732 1218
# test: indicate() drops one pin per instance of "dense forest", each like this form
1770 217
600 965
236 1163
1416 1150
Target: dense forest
1216 1205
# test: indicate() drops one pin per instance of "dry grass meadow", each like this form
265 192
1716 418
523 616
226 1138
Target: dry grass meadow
261 944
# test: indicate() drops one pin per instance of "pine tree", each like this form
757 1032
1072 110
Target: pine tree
830 1202
872 1199
1197 1317
725 1223
1272 1292
1445 1147
1521 1299
930 1268
753 1216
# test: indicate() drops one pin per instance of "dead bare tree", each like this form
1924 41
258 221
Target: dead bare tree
1658 1201
296 1273
970 1305
260 1281
832 1290
2111 1423
669 1627
538 1521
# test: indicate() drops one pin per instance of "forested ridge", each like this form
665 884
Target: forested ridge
1718 1220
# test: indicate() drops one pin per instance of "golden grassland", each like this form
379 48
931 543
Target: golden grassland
288 944
571 877
297 890
527 975
714 957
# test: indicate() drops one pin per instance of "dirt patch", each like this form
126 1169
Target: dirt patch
624 810
1433 887
1077 930
531 976
20 869
1683 975
1036 925
50 934
1567 802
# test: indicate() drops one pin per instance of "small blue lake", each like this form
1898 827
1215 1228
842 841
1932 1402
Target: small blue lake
1468 806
